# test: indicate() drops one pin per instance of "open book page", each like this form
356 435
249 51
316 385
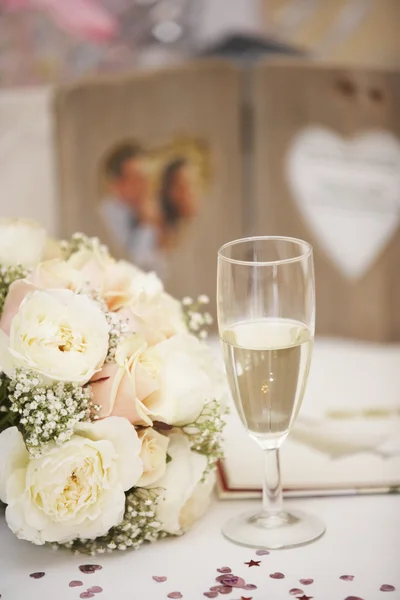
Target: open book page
347 435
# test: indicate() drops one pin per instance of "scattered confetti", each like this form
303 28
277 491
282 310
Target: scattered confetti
262 552
277 576
211 594
295 592
96 589
86 595
253 563
224 589
347 577
304 597
38 575
88 569
224 570
353 598
306 581
175 595
75 583
250 586
387 588
243 598
231 581
159 578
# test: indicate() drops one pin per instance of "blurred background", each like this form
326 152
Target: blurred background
168 127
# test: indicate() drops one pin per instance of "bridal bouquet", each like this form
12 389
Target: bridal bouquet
110 405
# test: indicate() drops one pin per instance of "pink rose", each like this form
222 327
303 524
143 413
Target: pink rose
16 293
128 388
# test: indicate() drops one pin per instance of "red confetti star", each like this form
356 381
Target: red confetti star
253 563
304 597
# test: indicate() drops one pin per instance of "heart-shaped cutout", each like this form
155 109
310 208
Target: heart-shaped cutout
348 193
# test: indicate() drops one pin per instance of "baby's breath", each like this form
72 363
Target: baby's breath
139 525
205 434
118 329
7 417
198 320
80 241
47 413
7 276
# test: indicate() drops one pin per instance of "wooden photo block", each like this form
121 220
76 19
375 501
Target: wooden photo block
327 169
150 163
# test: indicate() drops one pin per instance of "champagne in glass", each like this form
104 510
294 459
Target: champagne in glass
266 314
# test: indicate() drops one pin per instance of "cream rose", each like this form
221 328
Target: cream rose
184 498
128 388
124 283
93 265
153 455
189 379
73 491
60 335
57 273
22 242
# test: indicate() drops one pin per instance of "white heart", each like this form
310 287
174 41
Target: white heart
348 192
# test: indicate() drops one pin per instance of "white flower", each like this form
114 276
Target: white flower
153 455
56 273
124 284
190 378
184 499
58 334
22 242
73 491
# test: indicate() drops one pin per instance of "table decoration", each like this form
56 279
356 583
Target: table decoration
111 408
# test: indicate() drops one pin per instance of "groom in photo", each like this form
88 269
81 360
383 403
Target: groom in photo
127 209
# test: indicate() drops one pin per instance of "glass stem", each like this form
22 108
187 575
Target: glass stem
272 488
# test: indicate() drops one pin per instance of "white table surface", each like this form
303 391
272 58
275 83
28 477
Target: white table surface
362 539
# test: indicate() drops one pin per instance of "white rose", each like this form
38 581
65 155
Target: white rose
58 334
190 378
73 491
22 242
153 455
184 499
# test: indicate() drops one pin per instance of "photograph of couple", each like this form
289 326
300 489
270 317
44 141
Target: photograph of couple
147 198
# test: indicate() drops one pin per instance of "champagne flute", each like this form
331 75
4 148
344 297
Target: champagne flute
266 320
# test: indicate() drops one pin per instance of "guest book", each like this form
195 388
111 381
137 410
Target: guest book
167 166
347 436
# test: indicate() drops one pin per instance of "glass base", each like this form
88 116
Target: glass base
273 532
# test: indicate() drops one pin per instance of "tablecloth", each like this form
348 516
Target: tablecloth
362 541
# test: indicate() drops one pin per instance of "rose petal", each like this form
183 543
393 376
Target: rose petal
75 583
211 594
175 595
225 589
95 589
224 570
88 569
353 598
347 577
306 581
37 575
86 595
295 592
387 588
262 552
159 578
277 576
